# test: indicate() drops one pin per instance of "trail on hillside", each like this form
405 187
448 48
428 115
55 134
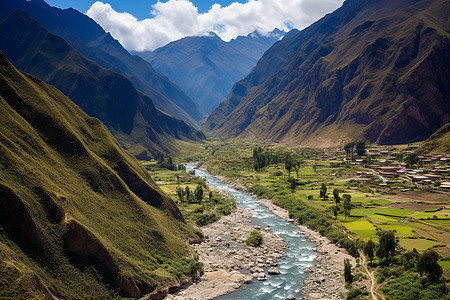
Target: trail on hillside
373 290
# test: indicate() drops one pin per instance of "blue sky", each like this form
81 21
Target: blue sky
136 28
139 8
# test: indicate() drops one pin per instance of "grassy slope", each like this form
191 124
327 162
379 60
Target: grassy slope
101 93
57 167
439 142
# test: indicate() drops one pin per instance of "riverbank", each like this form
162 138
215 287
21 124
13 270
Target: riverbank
228 261
325 280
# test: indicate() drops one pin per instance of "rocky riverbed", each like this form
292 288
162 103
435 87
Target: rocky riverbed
325 280
228 261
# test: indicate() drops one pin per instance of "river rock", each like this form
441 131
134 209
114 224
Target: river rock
237 277
290 297
259 275
257 270
273 271
261 278
248 279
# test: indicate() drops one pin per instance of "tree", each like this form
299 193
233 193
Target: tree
187 192
180 193
368 249
297 164
347 204
360 148
199 193
349 149
210 195
293 183
409 259
428 265
335 212
314 168
387 244
411 160
323 191
288 164
348 271
337 199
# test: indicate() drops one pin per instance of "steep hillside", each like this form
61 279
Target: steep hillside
101 93
206 67
78 215
372 70
85 35
438 142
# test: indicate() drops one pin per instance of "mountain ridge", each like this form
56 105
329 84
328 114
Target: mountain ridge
206 67
349 76
109 96
86 36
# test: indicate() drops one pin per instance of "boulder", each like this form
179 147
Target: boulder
273 271
256 270
248 279
261 278
290 297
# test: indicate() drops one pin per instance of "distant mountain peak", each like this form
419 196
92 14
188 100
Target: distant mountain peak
206 67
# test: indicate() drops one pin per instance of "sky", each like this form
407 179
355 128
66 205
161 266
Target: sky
144 25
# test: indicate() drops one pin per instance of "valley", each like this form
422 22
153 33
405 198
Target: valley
416 212
231 150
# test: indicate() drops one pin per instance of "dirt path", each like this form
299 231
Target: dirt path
373 290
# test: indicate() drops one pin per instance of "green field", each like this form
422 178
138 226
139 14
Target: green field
384 211
362 228
445 265
400 231
418 244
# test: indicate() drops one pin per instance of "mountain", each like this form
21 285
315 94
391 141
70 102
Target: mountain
206 67
372 70
79 216
438 142
101 93
86 36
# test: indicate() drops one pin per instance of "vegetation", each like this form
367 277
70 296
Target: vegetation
439 142
368 249
255 239
428 265
190 192
387 244
68 189
348 271
371 212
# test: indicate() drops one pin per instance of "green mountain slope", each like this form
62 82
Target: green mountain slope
79 217
206 67
109 96
85 35
439 142
371 70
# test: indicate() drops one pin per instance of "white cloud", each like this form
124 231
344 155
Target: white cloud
175 19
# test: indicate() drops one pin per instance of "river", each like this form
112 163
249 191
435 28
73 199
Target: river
299 255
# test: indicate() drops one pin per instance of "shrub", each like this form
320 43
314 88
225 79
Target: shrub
255 239
356 292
